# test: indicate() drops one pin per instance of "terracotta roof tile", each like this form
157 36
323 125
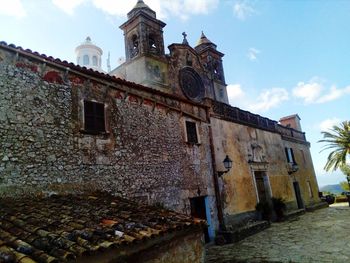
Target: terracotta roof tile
63 228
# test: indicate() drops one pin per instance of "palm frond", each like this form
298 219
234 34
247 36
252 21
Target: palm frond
338 140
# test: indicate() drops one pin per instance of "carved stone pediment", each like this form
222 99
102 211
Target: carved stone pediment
256 154
259 166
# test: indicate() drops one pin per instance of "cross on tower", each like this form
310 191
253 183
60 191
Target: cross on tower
185 42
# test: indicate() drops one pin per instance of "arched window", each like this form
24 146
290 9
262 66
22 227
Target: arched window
86 60
78 60
134 46
153 47
94 61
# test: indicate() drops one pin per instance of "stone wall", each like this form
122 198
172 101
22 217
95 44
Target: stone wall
187 249
143 155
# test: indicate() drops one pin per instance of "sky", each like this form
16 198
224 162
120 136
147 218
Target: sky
281 56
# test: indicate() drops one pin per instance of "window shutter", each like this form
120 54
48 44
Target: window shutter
292 154
287 155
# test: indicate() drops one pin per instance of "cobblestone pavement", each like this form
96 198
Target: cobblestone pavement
320 236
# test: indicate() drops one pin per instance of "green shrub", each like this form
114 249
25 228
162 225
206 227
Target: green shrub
265 210
279 206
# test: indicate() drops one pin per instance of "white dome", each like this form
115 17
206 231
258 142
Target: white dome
89 55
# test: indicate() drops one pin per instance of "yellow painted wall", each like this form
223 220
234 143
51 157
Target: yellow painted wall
238 189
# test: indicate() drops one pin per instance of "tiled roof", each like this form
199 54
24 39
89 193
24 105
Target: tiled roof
64 228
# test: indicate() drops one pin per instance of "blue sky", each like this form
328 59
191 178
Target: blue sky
281 56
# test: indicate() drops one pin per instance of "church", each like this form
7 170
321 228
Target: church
158 130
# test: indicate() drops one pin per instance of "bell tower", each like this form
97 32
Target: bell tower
143 33
146 62
211 59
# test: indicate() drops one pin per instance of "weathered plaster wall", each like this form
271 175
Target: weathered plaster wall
306 172
238 188
143 156
147 71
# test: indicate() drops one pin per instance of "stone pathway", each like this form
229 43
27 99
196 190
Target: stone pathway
319 236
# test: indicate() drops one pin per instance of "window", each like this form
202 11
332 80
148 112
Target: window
290 155
86 60
94 61
94 117
134 46
191 131
310 189
152 44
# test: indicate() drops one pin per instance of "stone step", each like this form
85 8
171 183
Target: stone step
294 213
232 236
314 207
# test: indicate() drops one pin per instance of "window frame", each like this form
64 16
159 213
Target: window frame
290 155
194 129
97 118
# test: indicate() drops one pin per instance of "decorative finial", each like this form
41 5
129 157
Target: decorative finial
88 39
184 41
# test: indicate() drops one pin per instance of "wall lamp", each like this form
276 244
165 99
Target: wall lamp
227 164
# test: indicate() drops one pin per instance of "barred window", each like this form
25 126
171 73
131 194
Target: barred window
191 131
94 117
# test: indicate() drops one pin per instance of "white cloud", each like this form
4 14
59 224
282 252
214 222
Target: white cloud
314 91
68 6
269 99
329 123
309 91
12 8
185 8
266 100
164 8
113 7
242 9
235 92
253 54
333 94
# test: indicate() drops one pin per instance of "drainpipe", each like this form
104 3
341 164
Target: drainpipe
215 177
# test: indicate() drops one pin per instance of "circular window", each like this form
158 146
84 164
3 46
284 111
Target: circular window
191 84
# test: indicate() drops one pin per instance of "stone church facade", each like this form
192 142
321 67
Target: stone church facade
156 131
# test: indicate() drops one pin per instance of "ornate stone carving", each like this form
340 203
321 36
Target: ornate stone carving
256 154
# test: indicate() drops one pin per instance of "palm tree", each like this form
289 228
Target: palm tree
337 139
